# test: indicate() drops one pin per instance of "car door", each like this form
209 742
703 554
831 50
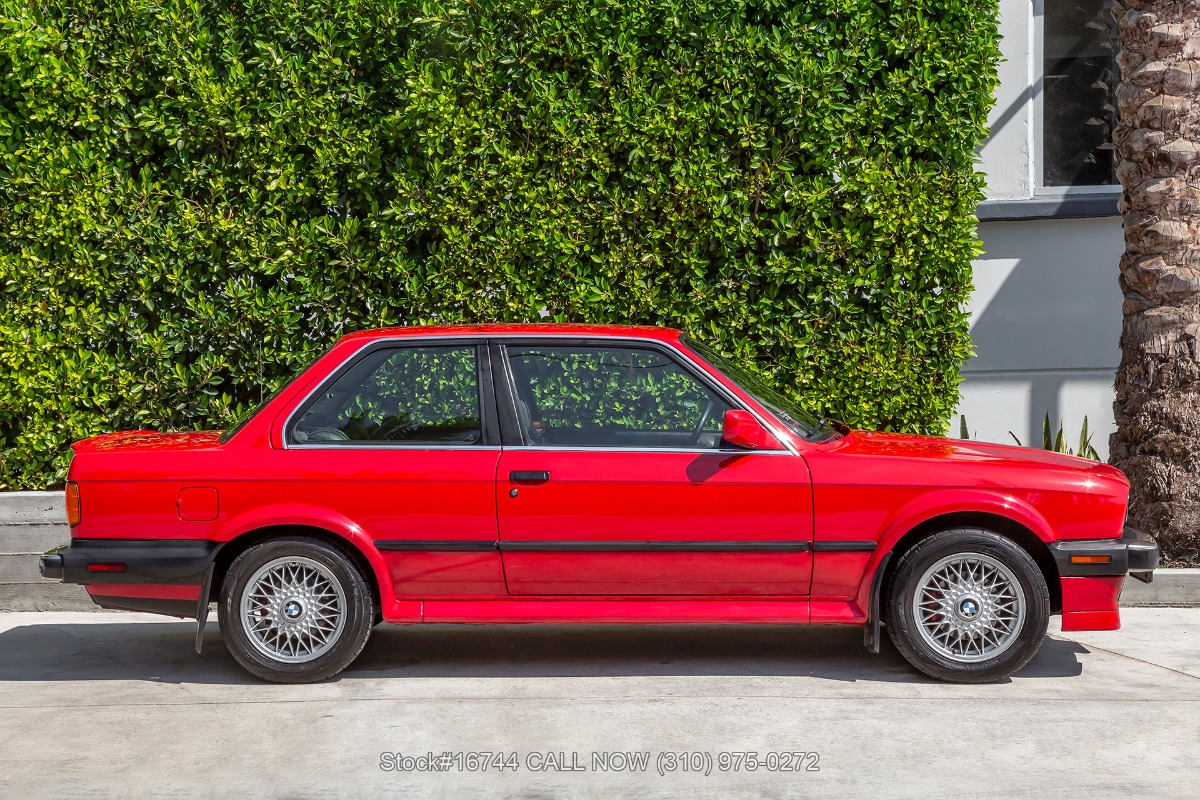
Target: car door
616 481
401 441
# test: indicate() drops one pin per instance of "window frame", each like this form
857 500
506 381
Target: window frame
1012 153
1037 172
506 398
489 429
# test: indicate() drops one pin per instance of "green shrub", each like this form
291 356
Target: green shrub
196 197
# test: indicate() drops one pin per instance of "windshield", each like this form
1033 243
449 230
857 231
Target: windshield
797 420
266 401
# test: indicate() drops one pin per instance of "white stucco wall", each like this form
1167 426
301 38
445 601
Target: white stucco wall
1046 322
1046 312
1008 154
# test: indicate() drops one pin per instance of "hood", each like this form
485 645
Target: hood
126 441
966 451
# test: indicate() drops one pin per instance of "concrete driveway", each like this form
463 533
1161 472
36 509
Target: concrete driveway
118 705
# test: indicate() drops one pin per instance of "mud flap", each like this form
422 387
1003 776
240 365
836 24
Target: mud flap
202 606
873 631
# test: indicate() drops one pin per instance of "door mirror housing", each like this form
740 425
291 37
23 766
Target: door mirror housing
743 430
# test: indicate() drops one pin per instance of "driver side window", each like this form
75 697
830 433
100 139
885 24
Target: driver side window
612 397
402 395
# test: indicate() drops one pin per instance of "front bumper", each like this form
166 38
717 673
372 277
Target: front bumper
1134 553
159 576
1092 572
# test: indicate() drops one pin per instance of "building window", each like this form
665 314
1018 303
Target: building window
1079 46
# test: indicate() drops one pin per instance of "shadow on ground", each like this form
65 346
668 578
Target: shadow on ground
162 652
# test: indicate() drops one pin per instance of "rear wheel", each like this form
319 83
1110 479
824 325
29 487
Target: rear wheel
295 610
967 605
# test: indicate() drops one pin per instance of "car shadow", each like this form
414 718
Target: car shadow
163 652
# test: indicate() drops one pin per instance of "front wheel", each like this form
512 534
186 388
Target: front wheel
295 610
967 605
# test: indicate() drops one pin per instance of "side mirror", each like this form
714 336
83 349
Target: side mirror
743 430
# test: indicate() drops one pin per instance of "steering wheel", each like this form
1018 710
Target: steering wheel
400 422
320 435
703 419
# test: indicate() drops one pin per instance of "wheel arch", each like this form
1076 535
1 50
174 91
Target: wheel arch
234 547
1007 527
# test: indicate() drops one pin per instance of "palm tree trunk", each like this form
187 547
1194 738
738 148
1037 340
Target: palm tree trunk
1157 405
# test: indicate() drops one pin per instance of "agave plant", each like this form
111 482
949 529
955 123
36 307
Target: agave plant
1058 442
1054 442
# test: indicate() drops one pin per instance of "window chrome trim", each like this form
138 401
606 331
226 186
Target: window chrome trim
483 340
350 445
685 362
602 449
328 380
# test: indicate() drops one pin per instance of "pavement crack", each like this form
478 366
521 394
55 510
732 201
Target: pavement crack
1131 658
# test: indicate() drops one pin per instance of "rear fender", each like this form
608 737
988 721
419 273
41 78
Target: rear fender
312 517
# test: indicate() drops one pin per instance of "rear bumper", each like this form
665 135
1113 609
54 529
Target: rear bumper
159 576
50 567
1092 573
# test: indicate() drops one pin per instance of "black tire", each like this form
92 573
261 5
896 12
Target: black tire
335 654
906 633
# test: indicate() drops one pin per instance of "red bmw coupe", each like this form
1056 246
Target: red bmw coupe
586 474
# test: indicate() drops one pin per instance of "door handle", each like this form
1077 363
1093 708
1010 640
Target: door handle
528 476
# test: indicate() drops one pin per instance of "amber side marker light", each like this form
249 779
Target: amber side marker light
74 509
1091 559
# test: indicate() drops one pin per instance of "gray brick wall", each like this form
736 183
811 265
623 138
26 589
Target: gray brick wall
30 524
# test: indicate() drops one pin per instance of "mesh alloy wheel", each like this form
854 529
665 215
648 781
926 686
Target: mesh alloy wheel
294 609
969 607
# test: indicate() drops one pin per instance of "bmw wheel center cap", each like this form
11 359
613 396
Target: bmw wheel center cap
968 608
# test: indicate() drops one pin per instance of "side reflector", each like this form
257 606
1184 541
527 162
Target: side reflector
1091 559
117 567
74 509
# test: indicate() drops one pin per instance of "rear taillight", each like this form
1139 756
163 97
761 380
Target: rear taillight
74 509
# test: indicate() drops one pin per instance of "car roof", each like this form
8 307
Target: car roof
520 329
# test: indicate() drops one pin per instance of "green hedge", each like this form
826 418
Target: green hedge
196 197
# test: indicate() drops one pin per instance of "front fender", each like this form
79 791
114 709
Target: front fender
940 503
